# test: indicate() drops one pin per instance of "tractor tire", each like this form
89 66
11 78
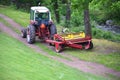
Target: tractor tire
24 33
53 31
31 34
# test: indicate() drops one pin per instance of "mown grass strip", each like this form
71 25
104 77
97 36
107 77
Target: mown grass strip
7 24
50 51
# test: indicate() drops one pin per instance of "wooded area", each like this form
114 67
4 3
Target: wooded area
75 12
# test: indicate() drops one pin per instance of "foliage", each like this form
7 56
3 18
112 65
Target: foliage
76 19
105 9
99 34
114 11
5 2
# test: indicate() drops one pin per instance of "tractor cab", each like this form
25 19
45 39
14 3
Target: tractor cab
39 15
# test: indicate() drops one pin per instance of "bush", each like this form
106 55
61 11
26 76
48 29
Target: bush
5 2
97 33
115 11
77 19
100 34
107 35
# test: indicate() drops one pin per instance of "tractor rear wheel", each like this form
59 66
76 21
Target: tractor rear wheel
53 31
23 33
31 34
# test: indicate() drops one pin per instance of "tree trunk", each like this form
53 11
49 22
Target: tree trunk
56 10
87 22
18 3
68 13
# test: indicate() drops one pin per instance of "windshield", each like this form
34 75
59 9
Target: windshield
42 16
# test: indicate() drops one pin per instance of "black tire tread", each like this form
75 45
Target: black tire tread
53 31
32 34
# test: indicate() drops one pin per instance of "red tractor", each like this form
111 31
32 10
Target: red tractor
41 25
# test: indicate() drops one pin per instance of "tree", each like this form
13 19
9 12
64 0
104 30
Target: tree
105 10
86 17
84 5
5 2
56 10
68 12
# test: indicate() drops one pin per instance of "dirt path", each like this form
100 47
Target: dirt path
89 67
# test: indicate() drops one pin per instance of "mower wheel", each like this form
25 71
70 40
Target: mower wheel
31 34
23 33
58 49
53 31
91 45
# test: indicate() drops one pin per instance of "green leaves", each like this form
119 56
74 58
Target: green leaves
81 3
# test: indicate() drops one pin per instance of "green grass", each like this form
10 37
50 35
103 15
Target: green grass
50 51
19 62
7 24
19 16
104 52
110 60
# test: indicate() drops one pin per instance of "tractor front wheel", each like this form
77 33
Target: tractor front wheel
31 34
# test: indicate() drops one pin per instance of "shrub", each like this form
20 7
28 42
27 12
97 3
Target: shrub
77 19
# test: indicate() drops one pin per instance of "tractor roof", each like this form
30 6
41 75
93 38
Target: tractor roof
40 8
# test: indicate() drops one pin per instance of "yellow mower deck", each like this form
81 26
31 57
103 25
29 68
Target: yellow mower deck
70 36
